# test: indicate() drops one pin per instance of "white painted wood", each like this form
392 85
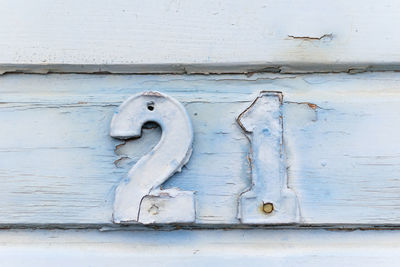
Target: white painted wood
199 248
198 36
153 169
268 200
58 164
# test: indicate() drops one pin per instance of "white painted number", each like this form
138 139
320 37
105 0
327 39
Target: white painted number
138 198
269 200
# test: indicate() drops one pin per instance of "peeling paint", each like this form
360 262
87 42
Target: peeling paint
121 161
269 199
341 156
249 68
147 175
328 36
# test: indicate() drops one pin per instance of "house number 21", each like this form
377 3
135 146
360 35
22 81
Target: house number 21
138 197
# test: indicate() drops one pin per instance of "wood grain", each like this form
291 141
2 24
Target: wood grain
59 165
198 36
199 248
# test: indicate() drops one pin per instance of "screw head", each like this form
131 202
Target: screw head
268 207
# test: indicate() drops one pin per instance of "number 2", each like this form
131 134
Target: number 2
138 197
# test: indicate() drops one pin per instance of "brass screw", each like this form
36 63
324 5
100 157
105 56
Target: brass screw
268 207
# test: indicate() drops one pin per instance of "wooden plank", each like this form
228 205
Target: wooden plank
199 248
192 36
59 165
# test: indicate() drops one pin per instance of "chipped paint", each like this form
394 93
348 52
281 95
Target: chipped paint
141 188
57 157
328 36
262 123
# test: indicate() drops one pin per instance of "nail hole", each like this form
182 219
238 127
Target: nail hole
150 106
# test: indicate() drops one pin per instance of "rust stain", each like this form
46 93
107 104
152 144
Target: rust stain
268 208
313 106
310 105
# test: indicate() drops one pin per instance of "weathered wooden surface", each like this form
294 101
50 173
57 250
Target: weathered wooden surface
200 248
58 163
198 36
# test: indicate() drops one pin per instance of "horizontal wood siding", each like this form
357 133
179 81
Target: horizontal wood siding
59 165
198 36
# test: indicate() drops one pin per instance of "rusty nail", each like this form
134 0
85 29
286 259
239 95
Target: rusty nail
268 207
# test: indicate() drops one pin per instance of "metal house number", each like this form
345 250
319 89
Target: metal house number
269 200
138 198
